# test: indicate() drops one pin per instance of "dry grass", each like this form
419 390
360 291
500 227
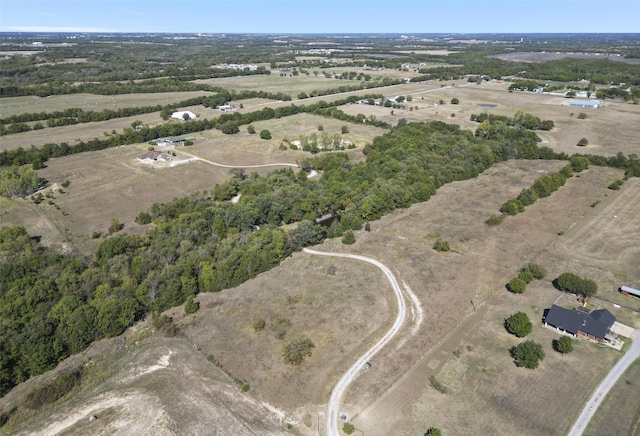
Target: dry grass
91 102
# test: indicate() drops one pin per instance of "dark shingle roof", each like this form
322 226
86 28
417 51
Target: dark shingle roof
595 324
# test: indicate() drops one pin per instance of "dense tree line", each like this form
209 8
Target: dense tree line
524 119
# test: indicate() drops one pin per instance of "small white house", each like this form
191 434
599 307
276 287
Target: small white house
152 156
180 115
226 108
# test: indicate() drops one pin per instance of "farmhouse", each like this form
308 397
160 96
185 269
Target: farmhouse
626 290
153 156
180 115
592 104
594 325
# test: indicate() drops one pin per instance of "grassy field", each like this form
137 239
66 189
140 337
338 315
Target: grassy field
619 412
91 102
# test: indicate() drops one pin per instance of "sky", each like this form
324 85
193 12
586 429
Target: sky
321 16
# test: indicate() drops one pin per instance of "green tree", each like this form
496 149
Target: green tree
570 282
441 245
538 271
18 181
191 306
563 345
527 354
525 276
115 226
344 130
348 428
455 101
518 324
349 238
265 134
143 218
433 431
250 129
583 142
517 285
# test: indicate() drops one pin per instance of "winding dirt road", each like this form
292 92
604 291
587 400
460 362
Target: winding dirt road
333 408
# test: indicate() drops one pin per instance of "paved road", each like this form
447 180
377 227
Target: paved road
333 408
616 372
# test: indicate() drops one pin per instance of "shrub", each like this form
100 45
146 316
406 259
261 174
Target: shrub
517 285
348 238
538 271
348 428
455 101
563 345
297 350
616 185
582 116
583 142
165 325
518 324
191 306
570 282
433 431
259 325
251 130
435 384
344 130
265 134
512 207
494 220
527 354
525 276
441 245
143 218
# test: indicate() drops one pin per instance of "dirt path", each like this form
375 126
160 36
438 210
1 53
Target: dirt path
333 408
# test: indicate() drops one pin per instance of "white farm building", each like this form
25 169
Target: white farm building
180 115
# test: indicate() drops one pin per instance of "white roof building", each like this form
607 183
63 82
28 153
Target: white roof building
180 115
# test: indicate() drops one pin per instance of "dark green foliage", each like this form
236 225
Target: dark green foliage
582 116
441 245
583 142
265 134
348 428
517 285
297 350
455 101
53 390
251 130
616 185
563 345
512 207
349 238
579 163
433 431
191 306
518 324
494 220
538 271
570 282
527 354
143 218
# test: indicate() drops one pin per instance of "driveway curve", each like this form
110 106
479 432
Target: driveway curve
609 381
333 408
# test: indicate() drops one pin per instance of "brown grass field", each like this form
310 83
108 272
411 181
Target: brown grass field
583 228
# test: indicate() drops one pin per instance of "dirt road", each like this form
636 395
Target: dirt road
333 408
610 380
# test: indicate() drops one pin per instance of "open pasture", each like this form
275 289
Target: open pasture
482 260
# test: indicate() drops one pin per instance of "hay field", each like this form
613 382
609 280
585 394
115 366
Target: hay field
91 102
